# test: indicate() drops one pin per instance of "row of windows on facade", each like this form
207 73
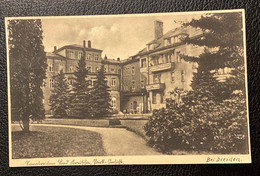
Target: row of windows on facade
89 68
90 82
161 59
157 77
132 70
79 54
167 41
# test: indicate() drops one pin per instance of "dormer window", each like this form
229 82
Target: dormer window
96 57
71 54
88 56
76 54
151 46
80 54
143 62
167 41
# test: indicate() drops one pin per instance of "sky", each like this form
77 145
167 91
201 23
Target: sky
118 35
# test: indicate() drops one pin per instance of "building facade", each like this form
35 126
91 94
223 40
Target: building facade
140 83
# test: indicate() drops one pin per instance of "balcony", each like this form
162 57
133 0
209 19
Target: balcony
156 86
162 67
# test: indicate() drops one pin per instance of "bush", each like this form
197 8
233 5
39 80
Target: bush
204 125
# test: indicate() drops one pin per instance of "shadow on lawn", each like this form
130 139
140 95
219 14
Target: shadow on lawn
45 142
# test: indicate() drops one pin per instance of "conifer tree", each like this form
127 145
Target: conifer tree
80 92
27 70
100 97
60 95
222 33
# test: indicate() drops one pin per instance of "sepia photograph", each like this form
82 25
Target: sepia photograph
158 88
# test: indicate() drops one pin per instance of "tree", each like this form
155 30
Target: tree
27 70
80 92
100 97
212 116
223 40
60 95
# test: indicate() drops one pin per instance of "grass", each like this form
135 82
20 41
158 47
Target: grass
45 142
136 126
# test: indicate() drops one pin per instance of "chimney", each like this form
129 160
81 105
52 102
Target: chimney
55 48
84 44
118 59
89 44
105 58
158 29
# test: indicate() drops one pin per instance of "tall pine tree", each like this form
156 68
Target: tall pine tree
27 70
100 97
80 93
60 96
223 40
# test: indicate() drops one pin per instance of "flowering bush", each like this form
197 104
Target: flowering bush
201 125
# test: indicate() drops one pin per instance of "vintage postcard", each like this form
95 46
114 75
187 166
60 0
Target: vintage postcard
164 88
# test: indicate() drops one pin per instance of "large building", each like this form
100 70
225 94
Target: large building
140 83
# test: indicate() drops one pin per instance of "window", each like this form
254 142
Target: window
133 85
80 54
51 67
131 105
113 81
162 97
89 69
105 69
167 41
92 81
172 76
142 81
76 54
154 98
89 83
176 39
112 70
182 76
143 63
51 83
133 70
156 61
156 78
88 56
178 57
70 81
71 68
114 102
96 57
71 54
97 69
142 84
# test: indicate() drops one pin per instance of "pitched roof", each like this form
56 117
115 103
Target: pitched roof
159 43
76 46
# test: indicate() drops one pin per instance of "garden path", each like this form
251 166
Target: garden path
117 141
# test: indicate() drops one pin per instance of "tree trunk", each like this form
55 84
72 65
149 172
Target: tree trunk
26 124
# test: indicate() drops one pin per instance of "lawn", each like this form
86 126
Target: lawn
44 142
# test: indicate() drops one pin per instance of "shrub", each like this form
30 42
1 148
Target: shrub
201 125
